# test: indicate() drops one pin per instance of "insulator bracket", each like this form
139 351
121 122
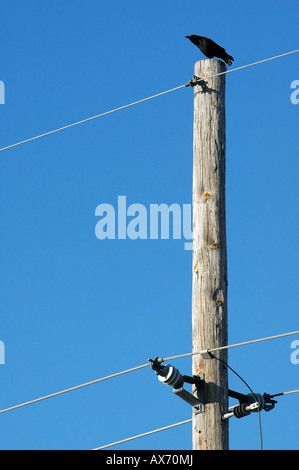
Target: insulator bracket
171 376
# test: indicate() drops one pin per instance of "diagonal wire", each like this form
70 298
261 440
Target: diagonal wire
284 393
144 434
189 420
141 367
142 101
256 63
92 117
73 388
244 343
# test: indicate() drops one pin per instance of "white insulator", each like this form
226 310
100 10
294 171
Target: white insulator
173 376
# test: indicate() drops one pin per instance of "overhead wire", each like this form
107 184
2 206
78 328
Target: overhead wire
92 382
236 345
142 101
92 117
190 420
256 63
144 434
284 393
187 420
51 395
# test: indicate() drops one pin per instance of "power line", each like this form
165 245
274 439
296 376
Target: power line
141 367
144 434
92 117
284 393
187 420
233 345
142 101
73 388
258 62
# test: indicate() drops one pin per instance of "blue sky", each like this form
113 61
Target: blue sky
75 308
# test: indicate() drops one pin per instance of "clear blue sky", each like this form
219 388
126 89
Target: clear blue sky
75 308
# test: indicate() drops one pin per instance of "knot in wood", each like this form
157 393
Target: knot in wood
219 297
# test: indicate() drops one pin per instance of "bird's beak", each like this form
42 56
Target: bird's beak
187 37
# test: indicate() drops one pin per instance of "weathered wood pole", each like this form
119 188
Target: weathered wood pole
209 287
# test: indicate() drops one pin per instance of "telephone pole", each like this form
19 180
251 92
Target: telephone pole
209 286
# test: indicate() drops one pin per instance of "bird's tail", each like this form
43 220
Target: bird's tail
228 59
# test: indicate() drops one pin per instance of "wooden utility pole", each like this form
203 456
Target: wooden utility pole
209 287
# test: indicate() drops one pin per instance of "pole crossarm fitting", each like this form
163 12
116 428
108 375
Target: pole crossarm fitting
171 376
195 81
206 354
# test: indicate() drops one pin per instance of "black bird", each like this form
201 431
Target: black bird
210 49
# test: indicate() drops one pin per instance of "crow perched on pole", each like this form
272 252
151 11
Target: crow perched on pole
210 49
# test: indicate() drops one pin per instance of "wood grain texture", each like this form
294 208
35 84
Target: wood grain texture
209 286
